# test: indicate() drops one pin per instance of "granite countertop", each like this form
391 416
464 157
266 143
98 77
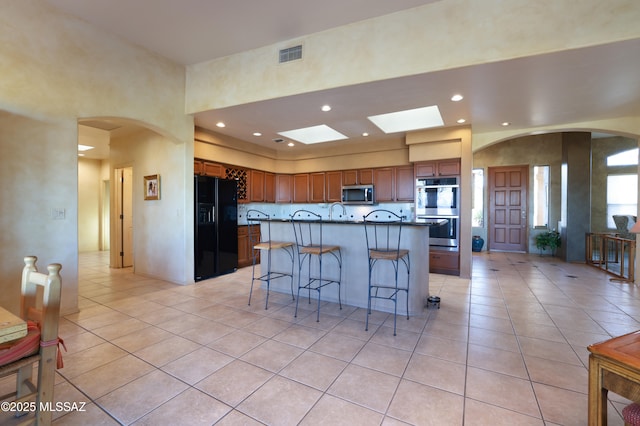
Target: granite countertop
348 221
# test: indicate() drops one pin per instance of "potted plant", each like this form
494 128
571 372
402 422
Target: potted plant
549 240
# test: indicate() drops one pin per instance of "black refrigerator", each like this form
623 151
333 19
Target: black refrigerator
216 227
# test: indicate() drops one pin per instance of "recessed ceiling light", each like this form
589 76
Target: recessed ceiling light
457 98
326 108
365 134
413 119
80 155
461 120
257 134
291 144
506 123
314 134
220 124
84 147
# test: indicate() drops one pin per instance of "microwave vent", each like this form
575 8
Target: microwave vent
290 54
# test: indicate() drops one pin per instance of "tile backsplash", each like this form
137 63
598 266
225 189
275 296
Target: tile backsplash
284 211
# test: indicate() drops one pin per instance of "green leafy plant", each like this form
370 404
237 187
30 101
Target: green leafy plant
549 240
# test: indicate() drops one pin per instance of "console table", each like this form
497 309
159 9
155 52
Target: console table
614 365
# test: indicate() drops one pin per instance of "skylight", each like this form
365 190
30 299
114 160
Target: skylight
412 119
314 134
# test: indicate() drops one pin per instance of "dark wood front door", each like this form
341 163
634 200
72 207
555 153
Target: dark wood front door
508 208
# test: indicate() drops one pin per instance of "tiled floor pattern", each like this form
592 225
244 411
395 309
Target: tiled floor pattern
506 348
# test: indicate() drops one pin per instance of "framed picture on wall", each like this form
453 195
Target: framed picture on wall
152 187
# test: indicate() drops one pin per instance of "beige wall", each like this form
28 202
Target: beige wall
538 150
56 70
602 148
38 169
89 204
331 156
438 36
159 226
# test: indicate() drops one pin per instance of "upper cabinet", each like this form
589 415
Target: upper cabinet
333 186
284 188
316 187
438 168
384 184
405 184
357 177
257 186
269 187
208 169
392 183
301 188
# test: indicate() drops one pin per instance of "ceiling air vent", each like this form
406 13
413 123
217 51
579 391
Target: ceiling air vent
290 54
278 140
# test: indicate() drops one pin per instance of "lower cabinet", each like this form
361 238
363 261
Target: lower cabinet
444 262
244 245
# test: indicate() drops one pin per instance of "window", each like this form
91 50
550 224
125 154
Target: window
626 158
477 213
540 196
622 196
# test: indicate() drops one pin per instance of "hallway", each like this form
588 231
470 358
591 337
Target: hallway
507 347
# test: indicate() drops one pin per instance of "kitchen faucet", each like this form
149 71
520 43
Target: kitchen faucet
337 203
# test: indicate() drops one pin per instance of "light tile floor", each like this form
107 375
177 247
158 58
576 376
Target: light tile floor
506 348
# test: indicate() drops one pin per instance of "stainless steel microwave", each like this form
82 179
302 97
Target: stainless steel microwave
358 194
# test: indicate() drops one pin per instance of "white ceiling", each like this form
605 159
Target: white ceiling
572 86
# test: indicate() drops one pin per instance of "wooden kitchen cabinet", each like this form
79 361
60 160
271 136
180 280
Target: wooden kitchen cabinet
269 187
405 183
357 177
384 184
301 188
212 169
449 167
316 187
201 167
444 262
333 190
284 188
256 188
438 168
244 245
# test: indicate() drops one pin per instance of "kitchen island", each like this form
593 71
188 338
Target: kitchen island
350 236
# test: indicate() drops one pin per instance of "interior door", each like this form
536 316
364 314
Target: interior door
508 208
127 217
122 255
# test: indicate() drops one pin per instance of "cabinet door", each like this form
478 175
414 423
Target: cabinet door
449 167
405 184
426 169
365 177
383 183
283 188
301 188
257 186
197 167
441 262
212 169
333 181
270 187
316 187
350 177
244 253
